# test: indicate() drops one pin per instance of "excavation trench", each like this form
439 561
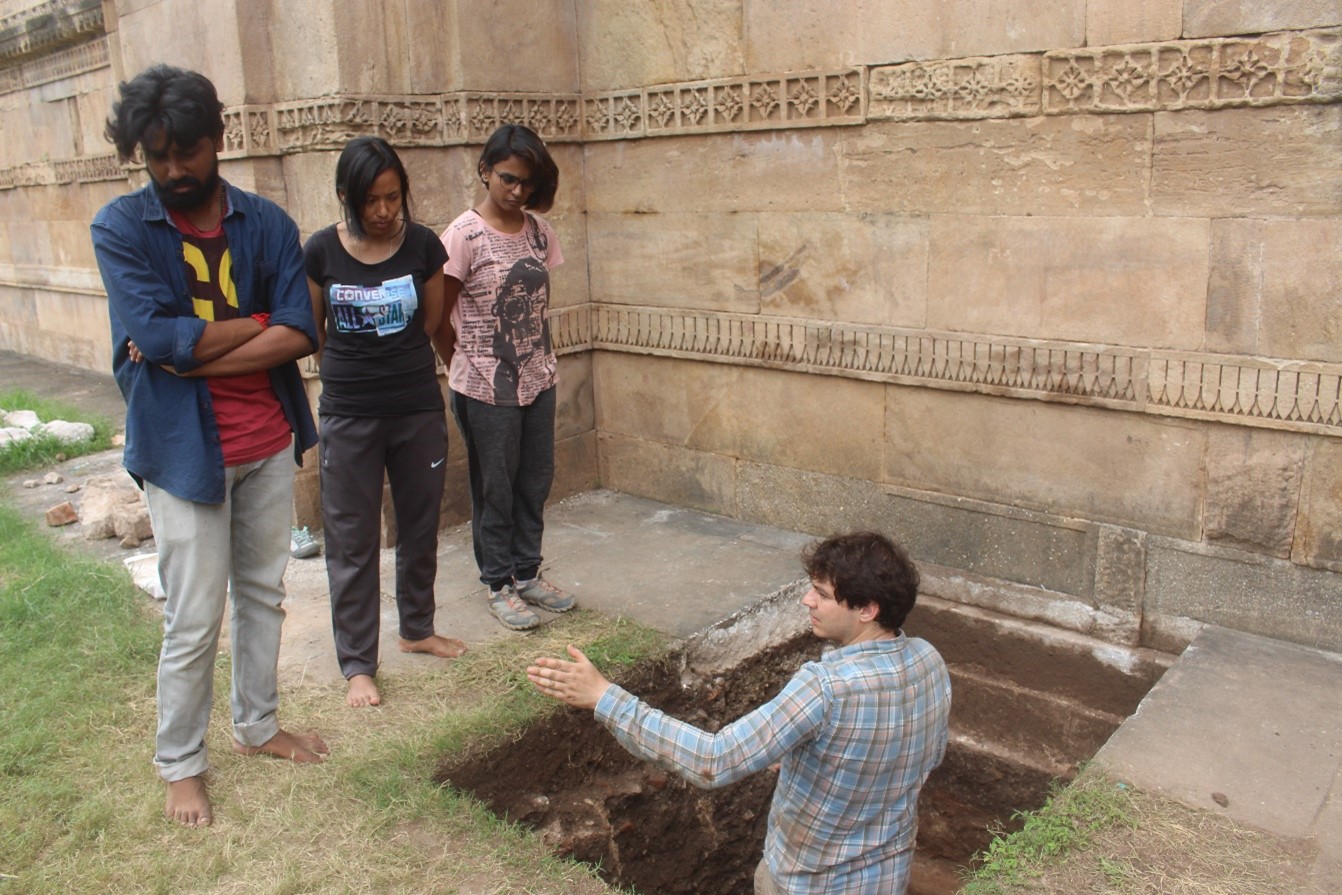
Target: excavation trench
1030 703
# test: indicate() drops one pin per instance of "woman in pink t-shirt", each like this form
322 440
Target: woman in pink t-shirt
502 369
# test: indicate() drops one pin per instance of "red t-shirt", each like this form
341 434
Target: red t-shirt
251 422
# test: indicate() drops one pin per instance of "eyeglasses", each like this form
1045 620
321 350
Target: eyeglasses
512 182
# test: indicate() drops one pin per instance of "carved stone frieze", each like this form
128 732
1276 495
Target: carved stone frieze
996 87
1302 397
553 116
1270 69
798 99
89 56
1294 396
87 169
45 26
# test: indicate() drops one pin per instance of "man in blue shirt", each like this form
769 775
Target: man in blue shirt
209 311
855 734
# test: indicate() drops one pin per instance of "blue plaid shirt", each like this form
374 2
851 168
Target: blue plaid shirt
856 733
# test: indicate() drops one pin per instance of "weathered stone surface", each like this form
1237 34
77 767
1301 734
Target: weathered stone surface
1253 485
743 412
1318 530
575 465
164 31
701 261
1212 18
61 514
780 171
855 268
816 503
1301 315
1274 161
574 412
1121 573
538 40
1245 591
114 507
1073 461
1093 165
977 87
1130 281
675 475
626 44
1235 285
814 33
1132 21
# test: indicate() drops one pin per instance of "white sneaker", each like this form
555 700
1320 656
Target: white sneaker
302 544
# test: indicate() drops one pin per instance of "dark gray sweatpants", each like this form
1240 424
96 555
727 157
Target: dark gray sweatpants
412 449
510 454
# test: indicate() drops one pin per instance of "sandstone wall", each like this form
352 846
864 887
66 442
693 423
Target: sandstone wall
1053 292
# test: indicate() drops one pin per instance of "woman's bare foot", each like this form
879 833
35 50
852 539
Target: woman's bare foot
435 645
303 748
188 803
362 692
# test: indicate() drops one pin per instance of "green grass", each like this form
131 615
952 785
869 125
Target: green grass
43 450
80 804
1068 822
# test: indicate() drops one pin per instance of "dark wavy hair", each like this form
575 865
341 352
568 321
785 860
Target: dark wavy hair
180 104
524 143
361 162
865 568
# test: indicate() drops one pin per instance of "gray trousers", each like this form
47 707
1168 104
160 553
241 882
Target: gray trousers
355 451
202 549
510 454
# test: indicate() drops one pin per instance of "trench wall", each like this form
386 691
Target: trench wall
1051 292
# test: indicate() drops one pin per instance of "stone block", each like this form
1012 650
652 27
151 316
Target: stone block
1070 461
674 475
1120 570
168 30
627 44
857 268
1140 282
575 465
1111 22
314 70
816 503
1055 165
1246 592
1301 313
743 412
432 65
1318 530
1215 18
1235 285
1269 161
538 40
1253 485
816 33
763 171
371 40
310 194
61 514
574 411
707 261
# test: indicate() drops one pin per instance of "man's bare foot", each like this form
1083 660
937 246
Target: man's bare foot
303 748
188 803
362 692
435 645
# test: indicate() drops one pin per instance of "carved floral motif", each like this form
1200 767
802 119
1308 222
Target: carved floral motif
997 87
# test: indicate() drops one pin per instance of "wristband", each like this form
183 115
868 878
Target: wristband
263 319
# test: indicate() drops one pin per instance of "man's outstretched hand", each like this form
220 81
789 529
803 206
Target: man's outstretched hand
577 683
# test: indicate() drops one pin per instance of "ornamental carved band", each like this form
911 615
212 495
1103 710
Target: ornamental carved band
1279 394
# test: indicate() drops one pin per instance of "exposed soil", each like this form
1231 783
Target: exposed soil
649 830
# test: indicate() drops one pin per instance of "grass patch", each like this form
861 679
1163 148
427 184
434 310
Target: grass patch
80 804
44 450
1099 836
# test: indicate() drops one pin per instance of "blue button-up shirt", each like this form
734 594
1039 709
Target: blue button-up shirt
856 733
172 439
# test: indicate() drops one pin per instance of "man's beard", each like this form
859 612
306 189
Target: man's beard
194 198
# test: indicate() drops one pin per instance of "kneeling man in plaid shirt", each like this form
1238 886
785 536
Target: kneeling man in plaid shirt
855 734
